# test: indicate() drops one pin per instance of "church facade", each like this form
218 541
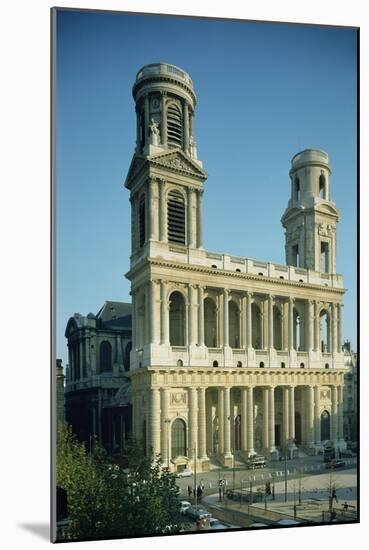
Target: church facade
230 355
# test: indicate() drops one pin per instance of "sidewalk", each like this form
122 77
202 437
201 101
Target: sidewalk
314 490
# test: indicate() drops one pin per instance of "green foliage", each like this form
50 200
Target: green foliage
105 500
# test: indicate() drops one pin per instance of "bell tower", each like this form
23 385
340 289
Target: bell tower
165 178
311 216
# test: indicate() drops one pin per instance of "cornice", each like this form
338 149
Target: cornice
234 274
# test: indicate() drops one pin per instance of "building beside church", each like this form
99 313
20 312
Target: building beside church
350 394
97 390
229 354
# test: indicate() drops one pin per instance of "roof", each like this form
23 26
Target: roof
115 315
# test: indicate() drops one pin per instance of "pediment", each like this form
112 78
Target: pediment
327 208
178 162
135 166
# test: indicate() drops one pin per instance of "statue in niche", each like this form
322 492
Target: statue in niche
154 133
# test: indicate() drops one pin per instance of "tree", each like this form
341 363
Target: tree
105 500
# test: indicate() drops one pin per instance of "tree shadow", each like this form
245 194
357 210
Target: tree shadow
40 529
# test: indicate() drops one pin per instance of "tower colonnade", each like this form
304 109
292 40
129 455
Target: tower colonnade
189 316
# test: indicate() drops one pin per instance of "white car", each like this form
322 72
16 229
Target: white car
184 506
187 472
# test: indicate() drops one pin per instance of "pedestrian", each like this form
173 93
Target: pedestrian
339 454
199 493
345 506
189 490
334 495
194 492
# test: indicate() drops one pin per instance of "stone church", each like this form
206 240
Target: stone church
230 355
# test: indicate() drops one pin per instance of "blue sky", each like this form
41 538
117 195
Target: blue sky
265 92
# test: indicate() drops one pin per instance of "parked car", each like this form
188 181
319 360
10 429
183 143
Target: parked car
259 524
197 512
256 461
184 506
336 463
288 522
187 472
215 523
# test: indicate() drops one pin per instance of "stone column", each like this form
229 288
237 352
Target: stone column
311 325
155 422
249 319
310 436
243 342
147 118
225 318
154 210
292 412
201 316
334 429
333 341
191 217
340 412
228 420
270 324
164 136
202 423
283 326
271 420
317 414
82 368
163 233
138 132
220 421
147 318
316 326
244 419
339 328
192 329
164 315
265 438
165 427
250 421
70 362
199 219
285 415
154 318
185 127
192 423
290 324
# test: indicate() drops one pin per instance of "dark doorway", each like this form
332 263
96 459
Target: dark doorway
325 428
298 437
277 434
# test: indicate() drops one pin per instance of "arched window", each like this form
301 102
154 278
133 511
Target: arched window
327 365
127 356
142 220
179 363
295 255
256 327
174 125
234 325
177 322
239 364
322 187
215 364
324 332
179 443
325 426
210 323
302 366
297 189
261 364
283 365
105 357
277 328
176 218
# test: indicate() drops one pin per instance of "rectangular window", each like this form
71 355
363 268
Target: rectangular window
295 256
324 257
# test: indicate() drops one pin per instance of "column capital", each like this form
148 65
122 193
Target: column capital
164 92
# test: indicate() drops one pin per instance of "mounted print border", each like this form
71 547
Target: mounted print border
205 365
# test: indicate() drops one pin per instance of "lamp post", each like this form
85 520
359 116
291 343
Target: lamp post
195 472
167 422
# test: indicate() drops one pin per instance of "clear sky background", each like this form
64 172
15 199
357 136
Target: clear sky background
265 92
